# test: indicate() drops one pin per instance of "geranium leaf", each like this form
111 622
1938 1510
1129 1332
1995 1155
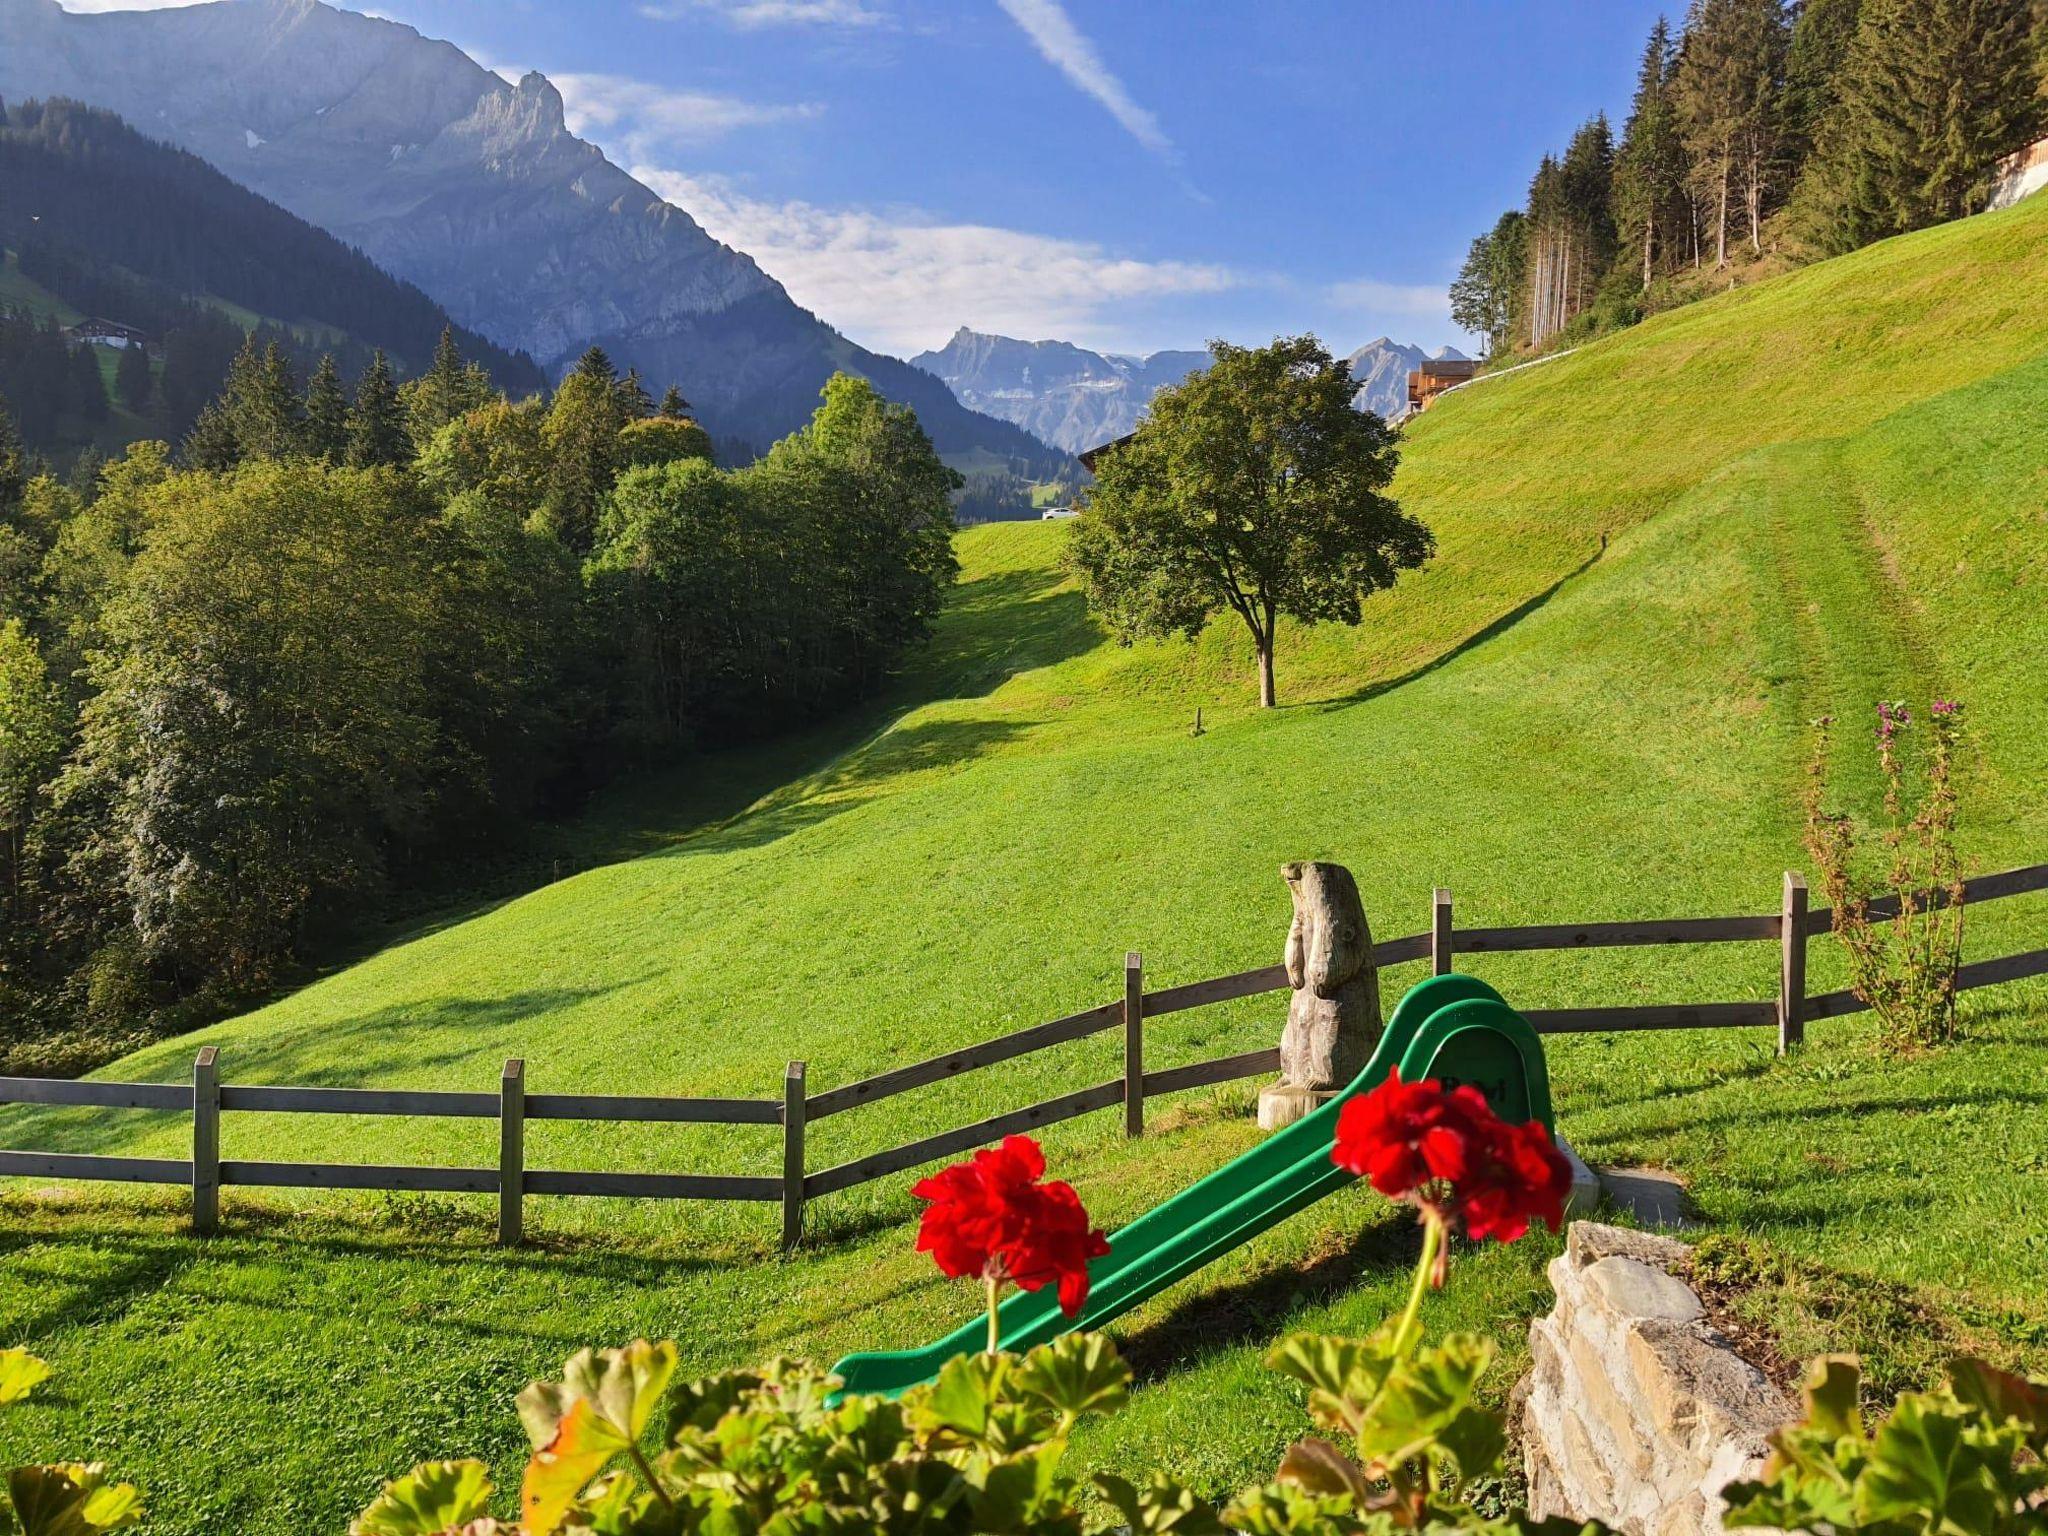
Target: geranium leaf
562 1468
964 1397
1321 1468
2001 1394
20 1374
1287 1509
624 1387
71 1499
701 1404
1341 1374
1473 1439
1010 1493
435 1496
1831 1392
1923 1462
1422 1397
1076 1374
1160 1506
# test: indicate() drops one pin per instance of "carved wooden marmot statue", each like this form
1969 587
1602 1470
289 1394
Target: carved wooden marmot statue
1333 1021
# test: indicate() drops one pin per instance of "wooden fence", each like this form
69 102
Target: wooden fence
206 1098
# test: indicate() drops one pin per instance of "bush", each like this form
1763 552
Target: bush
1903 934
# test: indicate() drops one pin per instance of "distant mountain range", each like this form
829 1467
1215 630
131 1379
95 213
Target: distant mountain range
474 190
1076 399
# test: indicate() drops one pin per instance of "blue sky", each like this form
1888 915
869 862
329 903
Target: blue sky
1129 174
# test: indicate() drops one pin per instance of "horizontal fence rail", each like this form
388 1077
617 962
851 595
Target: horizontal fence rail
206 1098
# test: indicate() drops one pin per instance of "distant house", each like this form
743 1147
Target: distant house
1436 375
1090 455
1052 512
107 333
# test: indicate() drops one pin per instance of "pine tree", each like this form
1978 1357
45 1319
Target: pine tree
635 404
258 405
595 365
88 385
673 406
376 426
1933 94
1727 91
448 389
1649 169
134 379
1587 178
1815 59
1487 294
326 430
211 443
13 464
581 440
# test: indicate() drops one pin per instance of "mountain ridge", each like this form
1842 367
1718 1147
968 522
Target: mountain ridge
473 189
1077 399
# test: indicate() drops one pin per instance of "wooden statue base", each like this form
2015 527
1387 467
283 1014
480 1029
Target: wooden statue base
1282 1105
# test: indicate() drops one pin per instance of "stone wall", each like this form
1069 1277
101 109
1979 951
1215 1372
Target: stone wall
1635 1411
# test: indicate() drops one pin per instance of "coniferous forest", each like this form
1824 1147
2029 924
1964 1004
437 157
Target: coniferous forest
343 637
1761 134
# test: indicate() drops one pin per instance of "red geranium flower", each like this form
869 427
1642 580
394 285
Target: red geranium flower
1403 1135
1522 1176
991 1217
1449 1153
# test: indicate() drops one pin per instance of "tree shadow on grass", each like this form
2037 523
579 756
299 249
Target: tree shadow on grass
137 1260
1214 1318
854 778
1471 642
1842 1109
384 1045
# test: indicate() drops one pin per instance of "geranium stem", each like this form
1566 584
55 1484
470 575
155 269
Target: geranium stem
995 1327
1411 1316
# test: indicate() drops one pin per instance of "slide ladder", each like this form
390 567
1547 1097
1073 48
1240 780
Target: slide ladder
1453 1028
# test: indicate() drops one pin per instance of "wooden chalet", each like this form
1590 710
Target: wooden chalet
1434 377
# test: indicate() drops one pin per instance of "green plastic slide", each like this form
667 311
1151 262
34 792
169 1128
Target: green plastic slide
1454 1028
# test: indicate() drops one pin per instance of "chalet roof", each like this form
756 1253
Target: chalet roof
1088 456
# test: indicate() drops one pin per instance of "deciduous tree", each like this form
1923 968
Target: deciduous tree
1252 487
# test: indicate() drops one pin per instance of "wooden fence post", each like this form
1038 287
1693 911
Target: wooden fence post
1134 1044
1440 932
512 1154
792 1155
1792 964
206 1141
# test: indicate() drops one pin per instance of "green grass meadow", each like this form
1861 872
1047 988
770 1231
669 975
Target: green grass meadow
1659 559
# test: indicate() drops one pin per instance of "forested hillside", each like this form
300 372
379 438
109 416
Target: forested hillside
1761 133
341 647
115 226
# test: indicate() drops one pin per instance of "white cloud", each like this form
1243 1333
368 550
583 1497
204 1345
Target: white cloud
639 116
750 14
903 281
1426 299
95 7
1062 45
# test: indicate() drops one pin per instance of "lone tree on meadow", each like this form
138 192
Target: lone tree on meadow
1254 486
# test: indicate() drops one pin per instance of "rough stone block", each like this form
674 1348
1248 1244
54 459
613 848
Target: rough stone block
1586 1243
1634 1291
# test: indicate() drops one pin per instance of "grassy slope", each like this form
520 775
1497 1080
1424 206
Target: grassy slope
1816 490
